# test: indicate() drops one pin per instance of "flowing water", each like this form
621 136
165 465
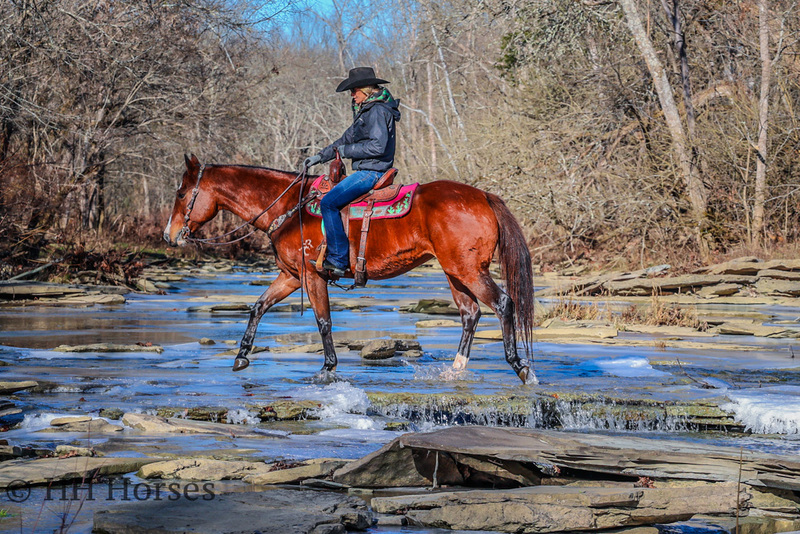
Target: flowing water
761 387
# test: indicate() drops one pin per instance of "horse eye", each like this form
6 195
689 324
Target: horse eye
181 195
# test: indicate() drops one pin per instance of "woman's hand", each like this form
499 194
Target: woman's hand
311 161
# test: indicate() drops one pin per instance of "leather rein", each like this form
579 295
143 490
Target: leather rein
280 220
186 233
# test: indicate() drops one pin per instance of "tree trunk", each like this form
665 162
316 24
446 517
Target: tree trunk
763 123
691 175
431 132
100 206
679 42
145 198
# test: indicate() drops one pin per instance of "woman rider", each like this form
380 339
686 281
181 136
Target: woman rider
369 142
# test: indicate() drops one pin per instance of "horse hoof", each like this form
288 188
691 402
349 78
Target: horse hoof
325 376
527 376
460 363
240 363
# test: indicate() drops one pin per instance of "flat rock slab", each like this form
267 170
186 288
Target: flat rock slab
92 297
46 470
411 457
669 331
779 274
9 387
202 469
559 508
750 265
432 307
59 421
235 351
600 332
647 286
316 468
772 287
437 323
162 425
756 330
31 290
287 410
310 348
80 424
747 265
109 347
278 511
381 349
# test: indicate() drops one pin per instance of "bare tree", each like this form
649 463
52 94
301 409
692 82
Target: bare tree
694 185
763 122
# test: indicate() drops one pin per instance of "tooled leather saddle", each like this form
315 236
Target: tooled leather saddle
384 191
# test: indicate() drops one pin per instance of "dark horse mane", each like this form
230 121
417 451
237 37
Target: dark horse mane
260 168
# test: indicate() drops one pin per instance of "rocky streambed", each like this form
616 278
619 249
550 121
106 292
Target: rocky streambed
631 424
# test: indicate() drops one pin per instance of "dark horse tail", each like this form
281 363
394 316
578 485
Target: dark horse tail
515 262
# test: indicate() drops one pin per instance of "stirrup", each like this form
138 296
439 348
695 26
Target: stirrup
328 266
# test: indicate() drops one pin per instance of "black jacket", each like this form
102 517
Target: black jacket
370 140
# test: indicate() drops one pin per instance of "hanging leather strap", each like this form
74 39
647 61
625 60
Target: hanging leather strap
361 261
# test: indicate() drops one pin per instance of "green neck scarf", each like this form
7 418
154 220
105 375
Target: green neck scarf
379 96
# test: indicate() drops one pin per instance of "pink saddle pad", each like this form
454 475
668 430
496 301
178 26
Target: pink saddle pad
397 207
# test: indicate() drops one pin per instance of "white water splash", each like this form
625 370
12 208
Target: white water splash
766 412
37 421
443 372
66 389
342 404
241 416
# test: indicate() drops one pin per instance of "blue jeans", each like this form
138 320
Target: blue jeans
346 191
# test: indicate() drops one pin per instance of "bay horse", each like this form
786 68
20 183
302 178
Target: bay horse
458 224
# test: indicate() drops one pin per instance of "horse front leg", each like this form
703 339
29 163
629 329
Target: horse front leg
283 286
317 289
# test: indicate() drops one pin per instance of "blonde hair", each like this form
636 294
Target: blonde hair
369 90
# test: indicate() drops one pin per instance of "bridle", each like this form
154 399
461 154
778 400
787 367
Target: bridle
185 232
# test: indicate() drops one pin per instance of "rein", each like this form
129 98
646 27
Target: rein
301 202
213 240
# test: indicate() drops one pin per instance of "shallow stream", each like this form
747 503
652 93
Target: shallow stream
760 387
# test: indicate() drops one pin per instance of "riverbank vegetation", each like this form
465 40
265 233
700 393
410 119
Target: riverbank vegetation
624 133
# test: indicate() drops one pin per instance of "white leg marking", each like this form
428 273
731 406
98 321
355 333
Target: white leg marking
460 362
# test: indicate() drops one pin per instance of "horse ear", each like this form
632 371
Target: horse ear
186 159
191 161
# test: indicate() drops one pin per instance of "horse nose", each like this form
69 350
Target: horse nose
166 233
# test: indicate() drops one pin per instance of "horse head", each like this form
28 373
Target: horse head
192 207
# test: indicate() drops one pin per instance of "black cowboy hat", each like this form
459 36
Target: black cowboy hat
359 77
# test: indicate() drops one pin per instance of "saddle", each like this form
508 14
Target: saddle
384 191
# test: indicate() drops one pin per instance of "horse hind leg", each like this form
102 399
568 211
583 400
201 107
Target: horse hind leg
470 313
283 286
505 311
488 292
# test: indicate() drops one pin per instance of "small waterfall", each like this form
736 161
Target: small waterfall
538 412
